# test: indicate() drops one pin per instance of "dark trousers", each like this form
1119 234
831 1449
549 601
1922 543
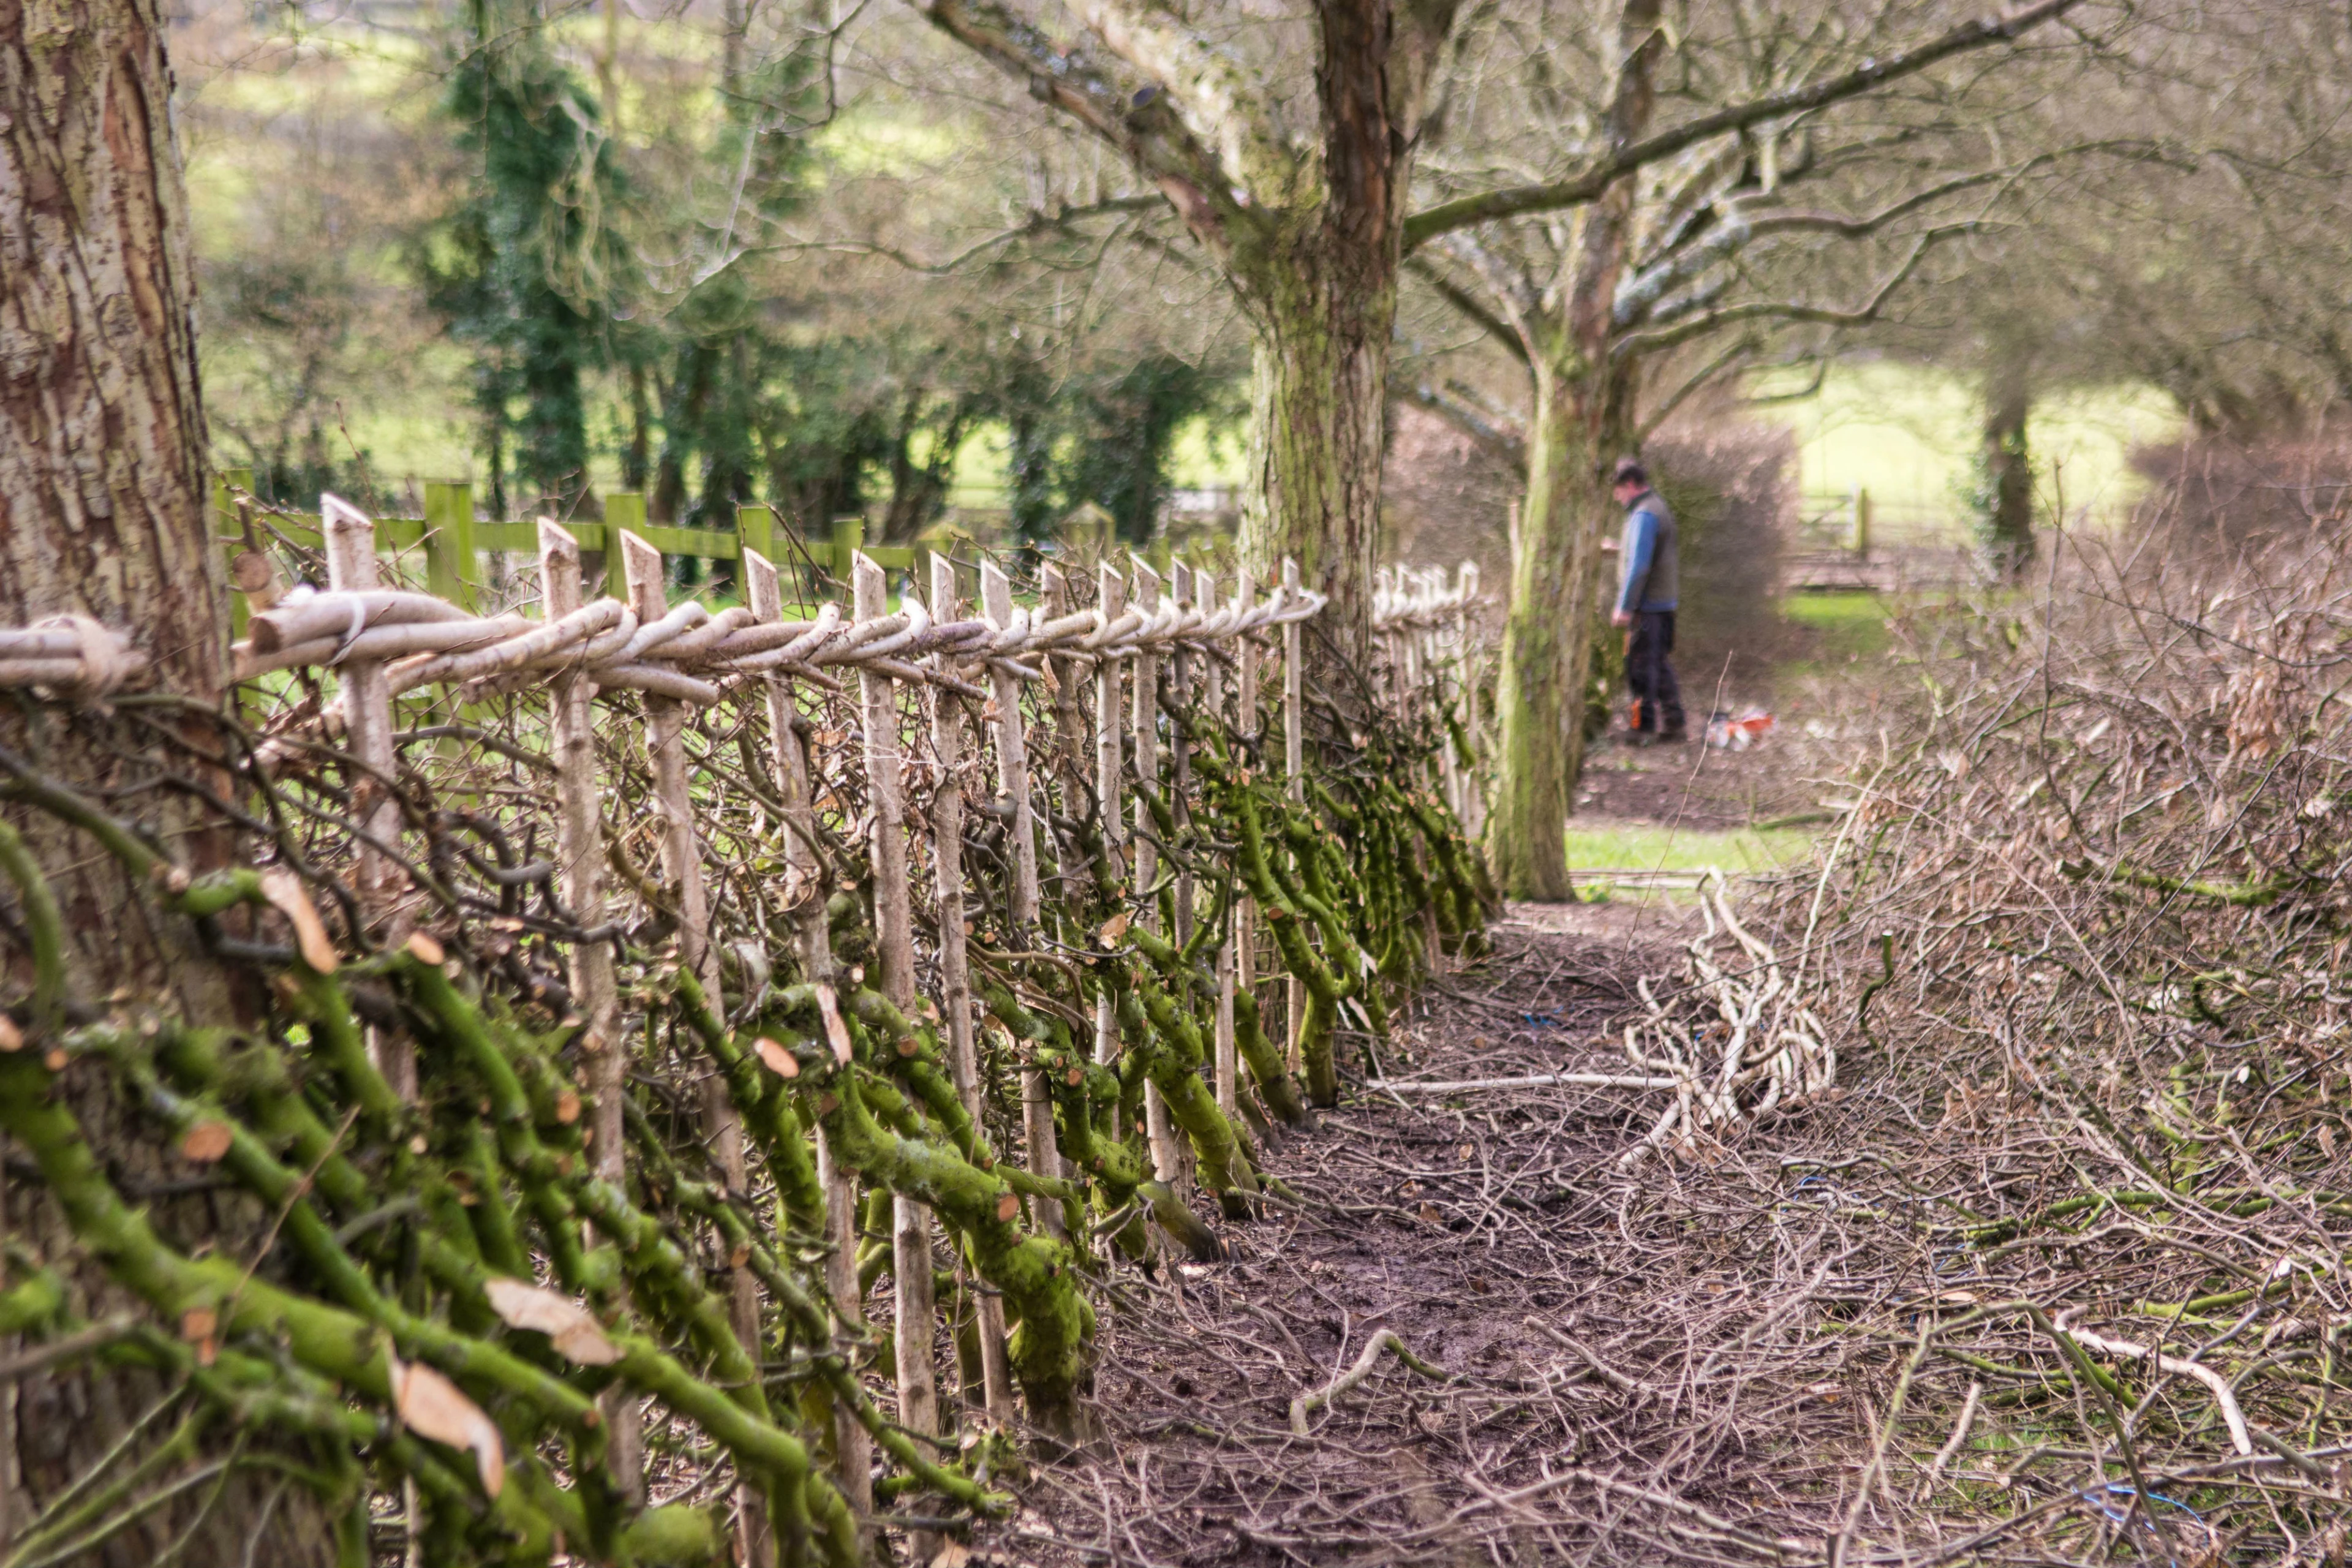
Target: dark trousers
1657 696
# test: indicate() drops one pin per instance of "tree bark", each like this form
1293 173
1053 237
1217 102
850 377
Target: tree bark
2008 471
1318 402
1309 239
1583 405
101 479
1556 631
1541 713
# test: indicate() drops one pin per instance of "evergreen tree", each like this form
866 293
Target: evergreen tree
522 268
1126 427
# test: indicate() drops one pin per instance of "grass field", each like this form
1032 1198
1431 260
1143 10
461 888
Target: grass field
1639 847
1908 435
1844 625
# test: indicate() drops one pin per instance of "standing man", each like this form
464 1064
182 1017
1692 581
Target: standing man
1647 594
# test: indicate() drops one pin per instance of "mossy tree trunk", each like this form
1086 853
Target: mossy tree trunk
1556 633
1323 310
1582 421
2005 465
1540 699
1319 281
102 479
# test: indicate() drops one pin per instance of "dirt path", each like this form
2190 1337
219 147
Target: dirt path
1612 1340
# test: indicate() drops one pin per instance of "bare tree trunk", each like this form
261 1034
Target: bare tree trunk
1553 552
1554 632
1583 402
1318 397
102 466
2008 469
1323 298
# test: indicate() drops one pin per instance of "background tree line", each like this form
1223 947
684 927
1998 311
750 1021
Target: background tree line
812 256
652 251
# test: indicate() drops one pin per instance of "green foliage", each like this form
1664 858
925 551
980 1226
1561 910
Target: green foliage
522 268
1123 428
722 368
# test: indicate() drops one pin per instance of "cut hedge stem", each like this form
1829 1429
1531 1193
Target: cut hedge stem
1306 1404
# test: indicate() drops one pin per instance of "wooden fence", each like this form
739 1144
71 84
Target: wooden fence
385 644
453 541
997 697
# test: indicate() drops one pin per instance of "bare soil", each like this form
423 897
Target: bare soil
1697 786
1609 1339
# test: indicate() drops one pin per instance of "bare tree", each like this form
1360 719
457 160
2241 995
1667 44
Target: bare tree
1685 268
2215 272
1301 198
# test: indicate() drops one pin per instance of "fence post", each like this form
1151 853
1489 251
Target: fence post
350 540
1861 525
1180 677
1013 768
228 524
1450 652
852 1446
910 1226
1108 794
1474 798
1143 692
681 855
955 973
1224 1071
1069 726
625 511
1167 1148
848 539
450 569
665 721
1428 695
1409 645
1293 763
580 875
755 532
1245 937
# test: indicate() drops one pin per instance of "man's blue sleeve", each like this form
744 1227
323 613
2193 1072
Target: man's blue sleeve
1640 546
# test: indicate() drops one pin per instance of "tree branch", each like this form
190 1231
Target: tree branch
1650 342
1586 186
1142 125
1491 437
1036 223
1794 394
1209 93
1504 332
1739 231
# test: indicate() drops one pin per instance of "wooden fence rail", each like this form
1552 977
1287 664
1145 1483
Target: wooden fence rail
453 541
384 645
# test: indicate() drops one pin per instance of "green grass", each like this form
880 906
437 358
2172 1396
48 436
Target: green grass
1908 435
1639 847
1844 625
